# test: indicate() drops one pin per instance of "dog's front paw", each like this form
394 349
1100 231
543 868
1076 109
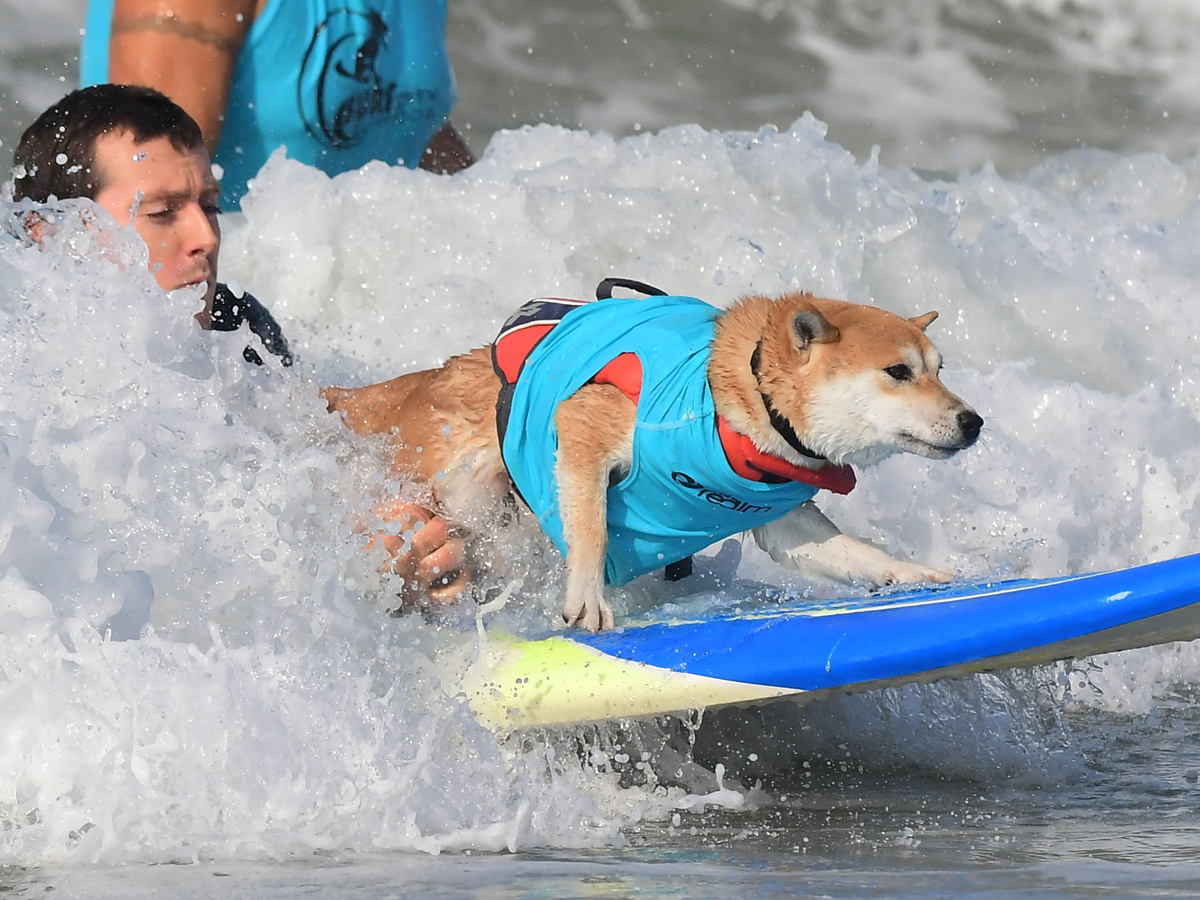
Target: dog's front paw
591 612
915 573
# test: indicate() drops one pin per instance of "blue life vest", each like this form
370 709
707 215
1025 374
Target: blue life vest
681 494
338 82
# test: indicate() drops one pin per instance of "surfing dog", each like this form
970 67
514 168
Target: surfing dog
640 431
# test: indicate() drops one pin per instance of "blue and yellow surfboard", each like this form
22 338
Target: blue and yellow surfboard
806 650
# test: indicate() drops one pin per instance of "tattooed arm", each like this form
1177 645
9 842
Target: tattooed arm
185 48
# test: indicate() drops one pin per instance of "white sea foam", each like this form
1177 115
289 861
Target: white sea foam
195 660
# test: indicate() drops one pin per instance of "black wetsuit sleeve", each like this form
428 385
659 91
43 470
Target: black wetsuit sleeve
229 312
264 325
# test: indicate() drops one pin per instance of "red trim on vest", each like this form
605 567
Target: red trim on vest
750 462
624 372
512 349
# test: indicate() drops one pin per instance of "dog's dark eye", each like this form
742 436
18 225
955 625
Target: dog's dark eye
900 372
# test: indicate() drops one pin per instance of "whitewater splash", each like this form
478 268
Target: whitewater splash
195 655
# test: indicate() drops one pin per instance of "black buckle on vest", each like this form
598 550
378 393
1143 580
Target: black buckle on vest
678 570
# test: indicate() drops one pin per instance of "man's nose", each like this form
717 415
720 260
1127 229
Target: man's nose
203 234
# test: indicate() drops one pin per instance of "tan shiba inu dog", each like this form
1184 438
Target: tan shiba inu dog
793 390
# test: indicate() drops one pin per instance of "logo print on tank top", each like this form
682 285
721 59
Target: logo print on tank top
355 56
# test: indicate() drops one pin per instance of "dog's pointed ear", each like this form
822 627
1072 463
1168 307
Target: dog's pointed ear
810 327
924 321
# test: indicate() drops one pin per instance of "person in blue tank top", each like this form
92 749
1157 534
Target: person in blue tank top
681 493
337 82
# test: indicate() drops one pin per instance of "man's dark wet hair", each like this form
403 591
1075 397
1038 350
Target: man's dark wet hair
68 131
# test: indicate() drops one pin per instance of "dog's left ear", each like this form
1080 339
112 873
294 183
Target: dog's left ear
810 327
924 321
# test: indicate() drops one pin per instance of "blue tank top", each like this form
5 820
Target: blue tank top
338 82
681 495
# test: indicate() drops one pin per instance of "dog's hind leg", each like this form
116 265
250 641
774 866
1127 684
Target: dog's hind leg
595 439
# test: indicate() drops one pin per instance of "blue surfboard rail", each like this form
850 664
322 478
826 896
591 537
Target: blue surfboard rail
881 638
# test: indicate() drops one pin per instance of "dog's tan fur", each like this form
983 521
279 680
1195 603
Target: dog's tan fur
828 367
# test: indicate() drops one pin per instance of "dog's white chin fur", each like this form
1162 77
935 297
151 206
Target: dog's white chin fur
910 444
850 422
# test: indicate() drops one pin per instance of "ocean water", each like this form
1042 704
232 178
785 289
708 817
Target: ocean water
201 690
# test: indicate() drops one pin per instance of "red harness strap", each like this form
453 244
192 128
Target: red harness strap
750 462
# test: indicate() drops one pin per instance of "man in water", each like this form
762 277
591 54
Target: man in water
142 158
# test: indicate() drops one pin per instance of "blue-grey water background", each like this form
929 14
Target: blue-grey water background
937 85
1036 180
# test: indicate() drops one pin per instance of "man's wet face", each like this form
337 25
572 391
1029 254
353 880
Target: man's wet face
172 196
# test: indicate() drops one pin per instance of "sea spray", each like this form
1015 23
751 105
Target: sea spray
195 660
196 655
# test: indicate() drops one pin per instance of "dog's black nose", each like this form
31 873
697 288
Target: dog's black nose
969 422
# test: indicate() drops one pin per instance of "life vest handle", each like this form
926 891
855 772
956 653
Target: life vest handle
605 288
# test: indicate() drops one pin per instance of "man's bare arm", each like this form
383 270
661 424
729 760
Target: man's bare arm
185 48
